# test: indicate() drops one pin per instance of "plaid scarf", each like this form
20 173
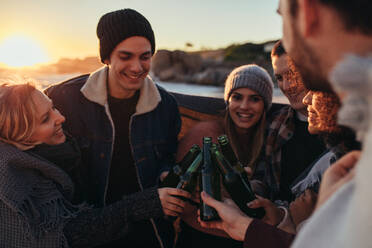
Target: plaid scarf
279 131
34 201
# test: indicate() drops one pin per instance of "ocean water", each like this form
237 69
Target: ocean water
184 88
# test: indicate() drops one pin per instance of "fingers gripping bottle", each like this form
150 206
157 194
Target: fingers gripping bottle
240 193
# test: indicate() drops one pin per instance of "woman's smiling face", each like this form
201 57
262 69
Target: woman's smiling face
48 126
246 107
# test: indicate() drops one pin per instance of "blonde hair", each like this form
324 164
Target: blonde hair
17 115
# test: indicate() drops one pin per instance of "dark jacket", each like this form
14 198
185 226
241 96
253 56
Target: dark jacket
153 134
36 208
261 234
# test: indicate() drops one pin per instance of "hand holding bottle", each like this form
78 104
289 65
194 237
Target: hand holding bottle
172 205
233 221
273 216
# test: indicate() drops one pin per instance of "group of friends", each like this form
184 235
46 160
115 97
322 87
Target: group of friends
80 163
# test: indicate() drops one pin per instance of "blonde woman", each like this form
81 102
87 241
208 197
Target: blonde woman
38 164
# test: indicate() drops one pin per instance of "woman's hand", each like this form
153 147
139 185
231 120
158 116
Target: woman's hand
172 206
273 216
233 221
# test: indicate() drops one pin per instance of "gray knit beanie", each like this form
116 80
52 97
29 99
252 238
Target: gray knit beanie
253 77
116 26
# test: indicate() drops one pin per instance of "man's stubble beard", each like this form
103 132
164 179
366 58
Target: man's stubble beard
308 64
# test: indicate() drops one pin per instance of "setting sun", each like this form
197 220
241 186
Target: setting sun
19 50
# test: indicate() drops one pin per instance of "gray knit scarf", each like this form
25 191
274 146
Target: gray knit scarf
38 193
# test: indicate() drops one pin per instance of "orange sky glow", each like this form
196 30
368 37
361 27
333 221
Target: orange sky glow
44 31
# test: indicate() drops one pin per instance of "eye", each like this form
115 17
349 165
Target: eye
279 78
124 57
236 97
45 119
145 57
256 98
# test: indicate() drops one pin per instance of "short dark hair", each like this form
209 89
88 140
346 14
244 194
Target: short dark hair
355 14
278 49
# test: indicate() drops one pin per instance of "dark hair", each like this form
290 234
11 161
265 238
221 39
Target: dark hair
345 136
278 49
355 14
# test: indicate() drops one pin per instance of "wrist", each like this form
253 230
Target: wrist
282 213
242 226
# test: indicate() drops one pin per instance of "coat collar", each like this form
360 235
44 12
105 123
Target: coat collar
95 90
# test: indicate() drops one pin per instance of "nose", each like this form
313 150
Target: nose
286 84
136 66
58 117
245 104
308 98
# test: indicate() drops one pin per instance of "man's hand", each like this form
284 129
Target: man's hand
337 175
273 216
233 221
163 175
172 205
303 206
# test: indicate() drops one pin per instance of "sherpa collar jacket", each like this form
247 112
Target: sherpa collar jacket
153 132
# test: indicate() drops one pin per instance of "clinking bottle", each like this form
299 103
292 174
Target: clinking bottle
210 182
229 154
188 180
173 177
237 189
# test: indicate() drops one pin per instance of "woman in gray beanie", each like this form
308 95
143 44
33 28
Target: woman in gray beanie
248 96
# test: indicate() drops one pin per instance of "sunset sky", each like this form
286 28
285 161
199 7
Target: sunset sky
34 31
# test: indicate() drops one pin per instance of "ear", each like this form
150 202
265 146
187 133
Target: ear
310 21
107 61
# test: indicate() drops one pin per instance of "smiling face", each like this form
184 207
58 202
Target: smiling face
322 108
129 65
48 125
290 82
245 108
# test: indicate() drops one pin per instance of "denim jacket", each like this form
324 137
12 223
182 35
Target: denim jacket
153 134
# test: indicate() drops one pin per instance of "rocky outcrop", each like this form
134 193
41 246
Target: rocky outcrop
208 67
179 66
176 65
211 76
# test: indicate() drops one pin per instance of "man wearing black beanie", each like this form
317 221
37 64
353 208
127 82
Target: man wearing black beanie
126 127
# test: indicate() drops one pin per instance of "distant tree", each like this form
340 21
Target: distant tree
248 53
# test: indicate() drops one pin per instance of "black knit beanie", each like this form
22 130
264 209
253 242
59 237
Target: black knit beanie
116 26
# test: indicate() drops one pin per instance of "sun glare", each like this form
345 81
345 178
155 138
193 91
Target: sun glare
19 51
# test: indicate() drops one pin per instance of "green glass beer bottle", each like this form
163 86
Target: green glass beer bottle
210 182
188 180
237 189
173 177
229 154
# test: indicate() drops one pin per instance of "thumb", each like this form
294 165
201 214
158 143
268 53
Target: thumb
210 201
249 171
260 202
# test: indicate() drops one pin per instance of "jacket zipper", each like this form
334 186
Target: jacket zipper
139 181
